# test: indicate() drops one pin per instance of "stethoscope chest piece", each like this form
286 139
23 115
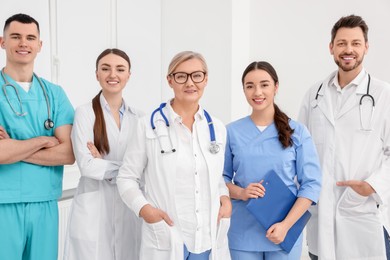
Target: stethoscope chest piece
48 124
214 148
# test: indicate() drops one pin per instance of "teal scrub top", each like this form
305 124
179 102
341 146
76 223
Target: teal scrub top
26 182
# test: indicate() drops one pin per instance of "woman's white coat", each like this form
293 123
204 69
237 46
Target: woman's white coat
100 225
143 159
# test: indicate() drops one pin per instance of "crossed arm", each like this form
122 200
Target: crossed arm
42 150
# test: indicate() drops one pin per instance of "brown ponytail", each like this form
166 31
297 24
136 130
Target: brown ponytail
284 129
100 138
281 120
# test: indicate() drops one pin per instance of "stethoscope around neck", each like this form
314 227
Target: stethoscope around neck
213 148
48 124
364 96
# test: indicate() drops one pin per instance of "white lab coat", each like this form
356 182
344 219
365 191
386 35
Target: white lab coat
100 225
143 159
344 224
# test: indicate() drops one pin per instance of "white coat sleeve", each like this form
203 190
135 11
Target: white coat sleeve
82 132
223 190
303 115
130 177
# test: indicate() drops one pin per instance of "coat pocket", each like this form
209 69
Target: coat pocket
159 140
353 204
156 235
85 215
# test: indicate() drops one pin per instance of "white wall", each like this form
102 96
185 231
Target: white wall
294 37
139 32
241 42
203 26
133 26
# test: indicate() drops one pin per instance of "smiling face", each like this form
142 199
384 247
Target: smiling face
112 72
348 49
22 43
260 90
188 92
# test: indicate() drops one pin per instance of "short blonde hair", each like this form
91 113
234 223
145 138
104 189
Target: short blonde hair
185 56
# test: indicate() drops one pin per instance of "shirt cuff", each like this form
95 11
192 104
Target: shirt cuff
376 196
224 191
133 201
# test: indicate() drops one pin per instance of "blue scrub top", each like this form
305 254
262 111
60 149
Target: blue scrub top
249 155
25 182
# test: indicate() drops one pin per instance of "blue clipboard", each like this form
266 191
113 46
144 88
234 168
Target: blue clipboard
274 207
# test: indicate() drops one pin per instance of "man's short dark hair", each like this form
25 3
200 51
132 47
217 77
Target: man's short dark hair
21 18
350 21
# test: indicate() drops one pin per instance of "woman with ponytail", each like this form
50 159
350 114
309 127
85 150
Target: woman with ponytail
100 225
267 140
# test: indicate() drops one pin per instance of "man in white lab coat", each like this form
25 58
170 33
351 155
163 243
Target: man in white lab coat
353 142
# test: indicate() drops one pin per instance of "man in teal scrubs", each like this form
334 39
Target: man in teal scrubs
35 123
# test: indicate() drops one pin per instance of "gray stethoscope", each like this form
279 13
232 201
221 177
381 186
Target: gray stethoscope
214 147
367 96
48 124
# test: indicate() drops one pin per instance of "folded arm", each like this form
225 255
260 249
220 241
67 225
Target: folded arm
60 154
20 150
91 163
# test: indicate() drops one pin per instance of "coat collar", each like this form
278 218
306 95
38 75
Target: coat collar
324 102
124 107
357 82
174 117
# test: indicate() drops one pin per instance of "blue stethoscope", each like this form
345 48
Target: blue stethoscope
365 96
214 147
48 124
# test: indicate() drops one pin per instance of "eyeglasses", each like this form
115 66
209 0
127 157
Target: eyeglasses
182 77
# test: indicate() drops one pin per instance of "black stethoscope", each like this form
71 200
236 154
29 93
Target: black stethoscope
367 95
48 124
214 147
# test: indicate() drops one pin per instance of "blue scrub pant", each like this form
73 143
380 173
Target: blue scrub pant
29 231
191 256
387 244
295 254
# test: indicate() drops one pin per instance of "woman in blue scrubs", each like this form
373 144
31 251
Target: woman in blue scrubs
256 144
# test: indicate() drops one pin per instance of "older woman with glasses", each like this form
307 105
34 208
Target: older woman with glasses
178 151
